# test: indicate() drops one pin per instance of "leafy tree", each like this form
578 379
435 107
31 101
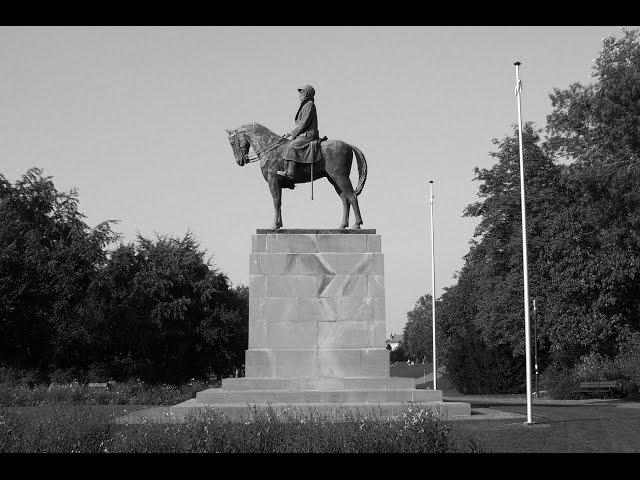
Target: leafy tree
48 257
594 241
166 314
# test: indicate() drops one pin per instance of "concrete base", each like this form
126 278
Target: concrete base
317 329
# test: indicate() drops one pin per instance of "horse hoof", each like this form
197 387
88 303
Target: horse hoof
342 227
276 227
356 226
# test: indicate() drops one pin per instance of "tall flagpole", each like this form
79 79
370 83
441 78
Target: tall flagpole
527 336
433 289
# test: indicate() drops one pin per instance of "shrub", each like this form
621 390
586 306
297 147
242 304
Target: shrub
628 362
559 382
596 368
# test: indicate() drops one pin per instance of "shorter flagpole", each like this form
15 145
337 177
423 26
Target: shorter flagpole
527 334
433 290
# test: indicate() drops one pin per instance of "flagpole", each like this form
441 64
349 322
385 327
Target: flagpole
527 336
433 289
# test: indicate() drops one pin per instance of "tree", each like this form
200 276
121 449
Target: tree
594 242
168 314
48 257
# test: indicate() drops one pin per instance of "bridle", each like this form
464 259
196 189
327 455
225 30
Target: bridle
235 146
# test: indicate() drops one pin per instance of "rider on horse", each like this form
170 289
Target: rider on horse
302 146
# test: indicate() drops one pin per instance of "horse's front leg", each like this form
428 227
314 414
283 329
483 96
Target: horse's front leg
276 194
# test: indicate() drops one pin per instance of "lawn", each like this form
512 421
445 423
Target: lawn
612 427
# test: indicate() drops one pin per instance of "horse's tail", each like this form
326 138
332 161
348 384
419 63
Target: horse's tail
362 169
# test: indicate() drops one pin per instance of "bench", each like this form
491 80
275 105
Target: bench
600 387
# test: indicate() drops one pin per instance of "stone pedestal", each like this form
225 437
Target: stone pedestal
317 325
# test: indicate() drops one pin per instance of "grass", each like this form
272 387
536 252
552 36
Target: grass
610 428
90 429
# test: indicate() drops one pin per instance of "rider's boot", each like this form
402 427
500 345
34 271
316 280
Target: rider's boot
290 171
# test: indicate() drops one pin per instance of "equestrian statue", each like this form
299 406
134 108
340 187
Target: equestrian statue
301 156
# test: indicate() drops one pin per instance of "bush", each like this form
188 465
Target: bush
128 393
596 368
628 362
476 369
558 380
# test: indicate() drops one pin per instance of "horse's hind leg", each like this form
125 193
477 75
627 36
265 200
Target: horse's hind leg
344 183
345 203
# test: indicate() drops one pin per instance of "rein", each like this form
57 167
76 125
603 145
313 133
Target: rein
250 159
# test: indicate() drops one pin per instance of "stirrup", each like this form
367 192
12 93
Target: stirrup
283 173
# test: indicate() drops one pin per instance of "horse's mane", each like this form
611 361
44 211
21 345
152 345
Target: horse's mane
257 128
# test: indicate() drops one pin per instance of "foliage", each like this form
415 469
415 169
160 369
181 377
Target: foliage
70 309
583 219
48 258
399 354
126 393
85 429
163 314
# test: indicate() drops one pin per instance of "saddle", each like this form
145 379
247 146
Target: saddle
305 151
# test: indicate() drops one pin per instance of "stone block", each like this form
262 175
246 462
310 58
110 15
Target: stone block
296 363
355 309
339 363
258 243
257 335
259 363
240 383
342 243
291 285
398 383
279 309
280 263
335 263
376 285
257 286
377 334
272 383
251 396
373 243
317 309
292 335
212 395
343 396
332 335
254 263
299 397
378 264
302 243
378 309
254 308
342 285
375 362
294 243
424 395
374 396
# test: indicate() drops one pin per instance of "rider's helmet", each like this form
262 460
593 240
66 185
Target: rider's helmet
308 89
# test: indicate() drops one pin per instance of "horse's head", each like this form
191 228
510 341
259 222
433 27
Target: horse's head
240 145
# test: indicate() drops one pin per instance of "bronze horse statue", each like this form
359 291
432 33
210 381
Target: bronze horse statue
335 166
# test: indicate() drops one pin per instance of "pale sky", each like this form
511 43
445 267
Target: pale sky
135 119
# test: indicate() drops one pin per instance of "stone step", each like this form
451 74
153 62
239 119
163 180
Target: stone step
318 383
242 411
224 396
